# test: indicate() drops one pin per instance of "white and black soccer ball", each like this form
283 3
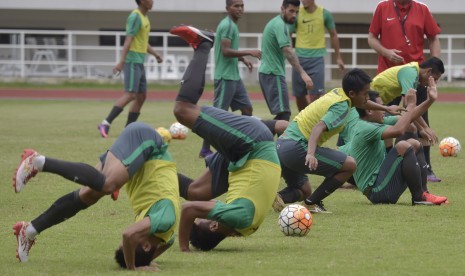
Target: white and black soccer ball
178 131
295 220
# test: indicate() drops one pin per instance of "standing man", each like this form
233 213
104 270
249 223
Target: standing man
397 33
136 46
229 88
139 159
311 48
276 48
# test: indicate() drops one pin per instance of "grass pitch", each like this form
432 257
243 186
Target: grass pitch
357 239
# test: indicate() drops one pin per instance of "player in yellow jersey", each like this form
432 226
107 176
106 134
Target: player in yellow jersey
246 143
300 148
136 46
139 159
310 48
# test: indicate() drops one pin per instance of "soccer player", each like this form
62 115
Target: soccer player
276 48
393 83
230 91
247 144
384 178
136 46
397 33
139 159
300 148
310 48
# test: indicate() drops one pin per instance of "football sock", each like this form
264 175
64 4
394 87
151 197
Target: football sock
64 208
286 116
38 162
184 183
80 173
132 117
31 232
411 173
427 151
271 124
423 168
193 81
115 111
329 185
290 195
205 145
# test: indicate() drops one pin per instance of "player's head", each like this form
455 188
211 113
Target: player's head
372 115
146 4
289 10
204 235
307 3
356 84
432 67
143 257
235 8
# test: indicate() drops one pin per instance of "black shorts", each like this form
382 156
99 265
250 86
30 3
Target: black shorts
292 157
231 135
135 145
390 184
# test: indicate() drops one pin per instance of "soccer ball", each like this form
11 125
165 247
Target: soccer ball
165 134
449 147
295 220
178 131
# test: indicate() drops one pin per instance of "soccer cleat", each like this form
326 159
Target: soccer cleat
103 129
115 195
433 178
192 35
430 199
317 208
204 153
25 170
278 203
24 243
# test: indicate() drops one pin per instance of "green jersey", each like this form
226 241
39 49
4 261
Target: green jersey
226 67
137 26
275 37
368 149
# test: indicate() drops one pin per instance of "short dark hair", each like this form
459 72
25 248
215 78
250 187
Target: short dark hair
291 2
143 258
355 80
436 65
372 95
138 2
229 2
204 239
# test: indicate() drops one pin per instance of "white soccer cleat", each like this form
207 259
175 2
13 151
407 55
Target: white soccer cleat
25 170
24 244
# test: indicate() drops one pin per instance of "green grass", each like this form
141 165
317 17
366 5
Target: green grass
357 239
